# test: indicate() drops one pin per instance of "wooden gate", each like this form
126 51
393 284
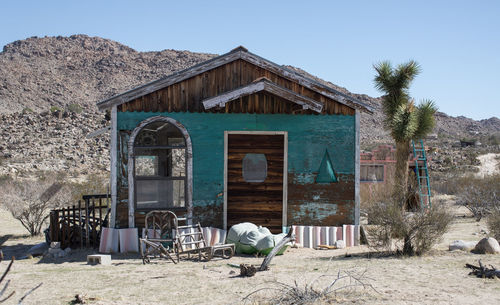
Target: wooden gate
80 226
255 179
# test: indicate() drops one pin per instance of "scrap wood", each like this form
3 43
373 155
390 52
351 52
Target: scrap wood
483 272
326 247
247 270
82 299
250 270
288 238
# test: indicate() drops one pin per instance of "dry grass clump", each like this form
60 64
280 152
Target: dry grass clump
339 285
494 224
480 195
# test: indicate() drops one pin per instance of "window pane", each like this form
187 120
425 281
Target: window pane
254 168
363 170
178 159
380 173
175 141
168 162
159 194
371 172
146 165
178 193
159 134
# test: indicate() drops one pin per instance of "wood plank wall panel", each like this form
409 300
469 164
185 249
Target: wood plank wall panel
186 96
257 202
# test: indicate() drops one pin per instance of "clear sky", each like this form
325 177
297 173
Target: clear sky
457 43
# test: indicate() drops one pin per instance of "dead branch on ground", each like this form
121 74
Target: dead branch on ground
483 271
288 238
4 289
309 293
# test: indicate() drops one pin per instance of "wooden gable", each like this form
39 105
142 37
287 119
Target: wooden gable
257 85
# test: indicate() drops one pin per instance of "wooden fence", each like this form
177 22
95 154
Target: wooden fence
80 226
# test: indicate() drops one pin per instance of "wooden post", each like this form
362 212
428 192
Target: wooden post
56 226
51 226
94 224
87 214
100 214
80 222
63 231
73 226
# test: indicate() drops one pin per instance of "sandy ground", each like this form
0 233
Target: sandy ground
489 164
438 278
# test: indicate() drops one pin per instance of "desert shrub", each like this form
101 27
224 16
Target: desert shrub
30 201
411 233
480 195
55 109
27 110
74 108
494 224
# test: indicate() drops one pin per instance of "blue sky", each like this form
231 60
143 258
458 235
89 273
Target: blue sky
457 43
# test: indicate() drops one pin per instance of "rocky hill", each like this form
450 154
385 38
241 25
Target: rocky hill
49 87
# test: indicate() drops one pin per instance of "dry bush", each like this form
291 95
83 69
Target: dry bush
411 233
347 282
494 224
30 201
480 195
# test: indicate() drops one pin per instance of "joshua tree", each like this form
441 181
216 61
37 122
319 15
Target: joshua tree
403 118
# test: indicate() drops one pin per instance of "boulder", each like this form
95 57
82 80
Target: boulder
462 245
340 244
487 246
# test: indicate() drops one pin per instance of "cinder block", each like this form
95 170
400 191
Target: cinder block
99 259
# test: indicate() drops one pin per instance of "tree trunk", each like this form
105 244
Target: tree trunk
401 173
408 247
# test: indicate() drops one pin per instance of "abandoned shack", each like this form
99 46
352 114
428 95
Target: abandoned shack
236 138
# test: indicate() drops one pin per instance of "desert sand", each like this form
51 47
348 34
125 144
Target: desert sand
437 278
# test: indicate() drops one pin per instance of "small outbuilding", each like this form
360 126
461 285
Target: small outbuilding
236 138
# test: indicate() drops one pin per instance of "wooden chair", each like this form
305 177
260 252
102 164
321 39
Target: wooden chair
190 240
164 237
158 239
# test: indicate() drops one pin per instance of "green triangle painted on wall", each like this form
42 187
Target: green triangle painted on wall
326 174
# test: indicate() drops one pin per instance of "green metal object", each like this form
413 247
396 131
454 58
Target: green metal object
424 187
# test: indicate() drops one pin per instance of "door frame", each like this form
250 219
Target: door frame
285 169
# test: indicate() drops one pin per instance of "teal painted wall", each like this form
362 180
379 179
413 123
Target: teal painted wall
308 138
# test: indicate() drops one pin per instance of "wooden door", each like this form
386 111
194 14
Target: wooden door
255 179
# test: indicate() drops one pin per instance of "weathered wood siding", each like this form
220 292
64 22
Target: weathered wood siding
187 95
309 203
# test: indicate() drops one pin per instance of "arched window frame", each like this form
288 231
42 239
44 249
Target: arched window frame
131 166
